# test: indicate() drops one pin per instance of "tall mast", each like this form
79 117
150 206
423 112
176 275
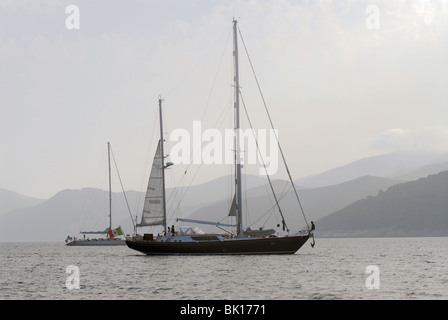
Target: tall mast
110 188
163 164
238 187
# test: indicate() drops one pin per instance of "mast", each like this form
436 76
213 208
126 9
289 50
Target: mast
110 187
163 165
238 186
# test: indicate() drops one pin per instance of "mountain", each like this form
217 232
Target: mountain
66 213
316 203
390 165
423 172
10 200
70 211
213 190
416 208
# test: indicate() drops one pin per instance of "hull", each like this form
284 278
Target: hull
97 242
249 246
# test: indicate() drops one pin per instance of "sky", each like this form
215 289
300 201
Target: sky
342 80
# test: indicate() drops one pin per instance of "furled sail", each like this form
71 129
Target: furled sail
232 211
153 208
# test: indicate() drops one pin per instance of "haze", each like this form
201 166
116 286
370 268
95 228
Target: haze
337 90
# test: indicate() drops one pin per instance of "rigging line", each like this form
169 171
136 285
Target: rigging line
246 205
208 99
175 194
216 76
182 185
122 188
270 210
269 213
272 125
230 181
219 118
142 180
87 204
264 165
283 191
230 169
172 194
265 185
194 67
269 217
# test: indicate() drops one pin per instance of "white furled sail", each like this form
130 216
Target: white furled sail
153 209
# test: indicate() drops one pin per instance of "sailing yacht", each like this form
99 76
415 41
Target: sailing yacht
194 241
112 235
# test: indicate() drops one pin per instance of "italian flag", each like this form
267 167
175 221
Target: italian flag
115 232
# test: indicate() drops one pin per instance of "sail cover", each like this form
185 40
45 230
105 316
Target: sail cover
153 208
232 211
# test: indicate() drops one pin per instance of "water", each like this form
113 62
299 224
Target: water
409 268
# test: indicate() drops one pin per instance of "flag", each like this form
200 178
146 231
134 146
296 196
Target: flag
115 232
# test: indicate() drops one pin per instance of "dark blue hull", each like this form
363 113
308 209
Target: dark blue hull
235 246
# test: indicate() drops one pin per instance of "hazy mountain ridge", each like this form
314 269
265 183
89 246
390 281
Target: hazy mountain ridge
195 196
66 213
396 165
423 171
72 210
10 200
416 208
69 211
316 203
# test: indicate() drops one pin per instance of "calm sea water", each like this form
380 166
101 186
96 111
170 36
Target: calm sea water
405 268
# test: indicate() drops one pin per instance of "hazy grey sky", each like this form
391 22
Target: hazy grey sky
340 86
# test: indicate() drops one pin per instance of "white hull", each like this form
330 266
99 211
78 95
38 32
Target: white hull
97 242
